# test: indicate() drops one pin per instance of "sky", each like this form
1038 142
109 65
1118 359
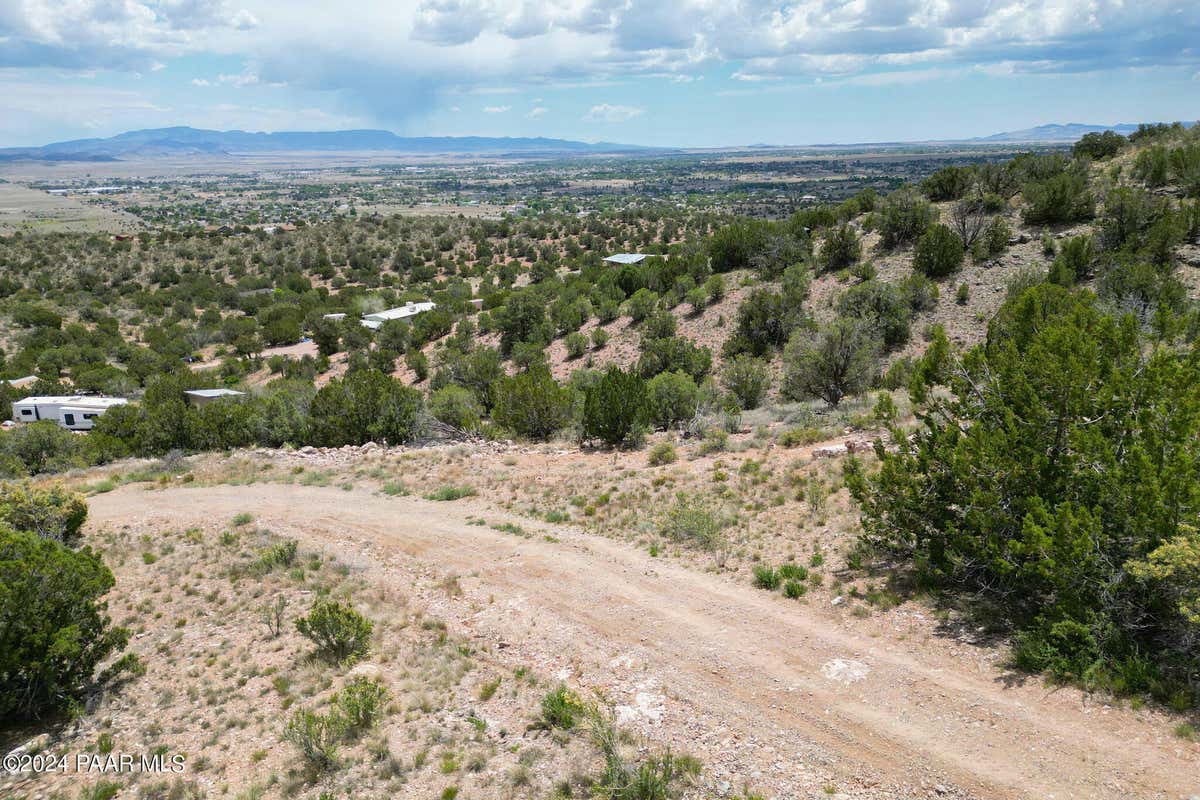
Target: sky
669 73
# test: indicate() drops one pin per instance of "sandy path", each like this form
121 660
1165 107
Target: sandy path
740 671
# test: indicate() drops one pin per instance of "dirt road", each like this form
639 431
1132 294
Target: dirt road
803 698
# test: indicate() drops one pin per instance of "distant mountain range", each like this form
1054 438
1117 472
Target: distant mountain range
1070 132
184 141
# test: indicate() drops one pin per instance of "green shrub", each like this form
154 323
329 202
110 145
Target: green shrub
1065 649
841 249
919 292
995 237
948 183
53 630
1059 200
316 736
672 398
793 572
364 406
795 437
794 589
1152 166
457 407
1099 144
939 252
531 404
339 632
838 361
280 554
360 703
662 453
884 307
1074 261
764 321
615 409
747 380
53 512
641 305
766 578
691 520
561 708
576 344
1062 538
904 216
448 493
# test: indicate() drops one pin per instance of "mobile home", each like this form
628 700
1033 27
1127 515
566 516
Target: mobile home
406 311
73 412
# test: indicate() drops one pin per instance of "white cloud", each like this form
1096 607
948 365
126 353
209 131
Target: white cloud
537 111
496 109
612 113
396 59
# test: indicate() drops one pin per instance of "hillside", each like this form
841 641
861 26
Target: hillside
884 497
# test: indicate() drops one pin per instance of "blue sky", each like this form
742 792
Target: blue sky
689 72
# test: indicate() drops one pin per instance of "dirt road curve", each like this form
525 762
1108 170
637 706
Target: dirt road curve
730 669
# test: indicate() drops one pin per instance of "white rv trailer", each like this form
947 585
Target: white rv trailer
75 412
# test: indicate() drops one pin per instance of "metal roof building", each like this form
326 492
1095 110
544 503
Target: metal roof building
625 258
201 397
373 321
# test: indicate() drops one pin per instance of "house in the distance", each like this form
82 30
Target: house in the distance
625 258
75 412
406 311
202 397
21 383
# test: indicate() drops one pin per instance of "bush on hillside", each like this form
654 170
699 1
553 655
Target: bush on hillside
1099 145
456 407
1059 200
615 409
672 398
53 629
340 633
365 406
1056 526
840 249
831 363
532 404
883 306
939 253
903 217
53 513
747 380
948 183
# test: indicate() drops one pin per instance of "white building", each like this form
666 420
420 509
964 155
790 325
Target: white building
202 397
74 412
406 311
625 258
21 383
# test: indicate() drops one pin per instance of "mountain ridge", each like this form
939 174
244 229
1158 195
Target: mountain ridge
184 141
187 141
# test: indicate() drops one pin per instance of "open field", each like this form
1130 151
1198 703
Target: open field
31 211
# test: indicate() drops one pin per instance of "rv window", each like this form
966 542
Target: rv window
27 412
89 416
69 419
